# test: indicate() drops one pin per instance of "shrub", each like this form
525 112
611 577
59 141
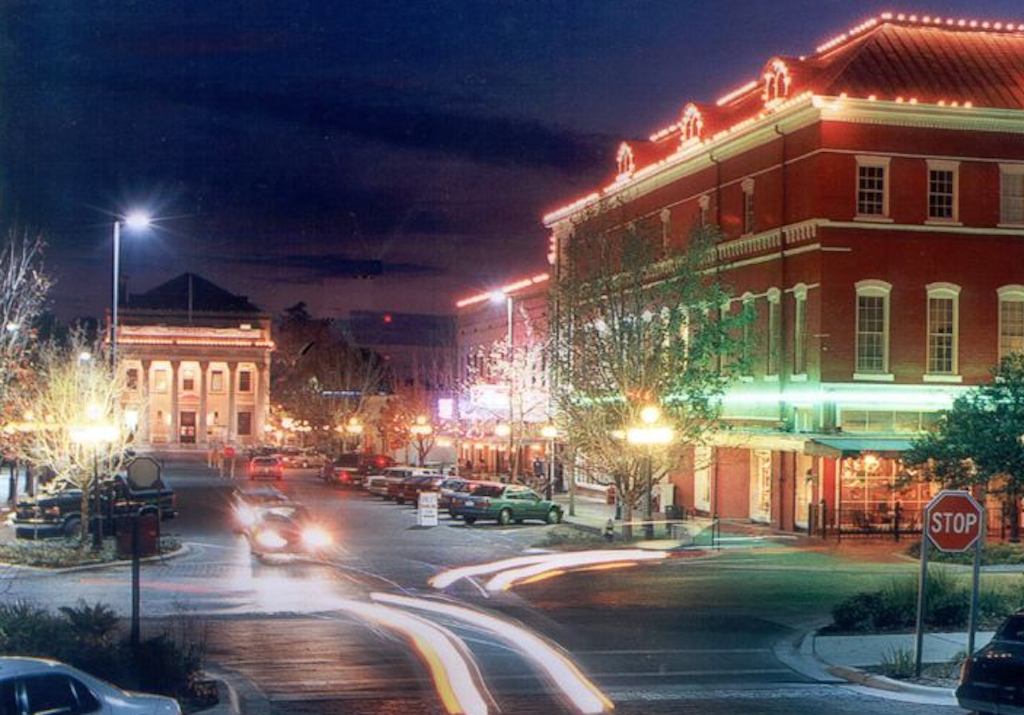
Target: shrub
857 612
898 663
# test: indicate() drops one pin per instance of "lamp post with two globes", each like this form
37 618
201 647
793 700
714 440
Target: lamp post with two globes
650 433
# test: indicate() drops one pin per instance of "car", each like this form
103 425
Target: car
266 468
246 503
286 529
505 503
378 484
992 679
36 685
301 458
453 487
351 469
409 489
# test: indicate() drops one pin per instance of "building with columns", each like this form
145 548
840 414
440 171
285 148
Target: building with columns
197 361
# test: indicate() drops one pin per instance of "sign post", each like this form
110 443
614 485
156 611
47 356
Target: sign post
426 511
952 523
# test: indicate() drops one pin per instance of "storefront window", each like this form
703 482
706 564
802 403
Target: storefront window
870 489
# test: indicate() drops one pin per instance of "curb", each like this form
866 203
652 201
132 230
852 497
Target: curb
240 696
880 682
182 550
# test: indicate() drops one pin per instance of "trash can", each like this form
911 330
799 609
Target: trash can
148 539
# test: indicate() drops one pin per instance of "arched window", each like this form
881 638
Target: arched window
872 344
625 160
1011 320
692 123
943 329
776 82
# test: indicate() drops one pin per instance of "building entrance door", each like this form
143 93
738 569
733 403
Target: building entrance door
187 430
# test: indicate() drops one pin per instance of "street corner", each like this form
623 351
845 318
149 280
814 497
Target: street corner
236 694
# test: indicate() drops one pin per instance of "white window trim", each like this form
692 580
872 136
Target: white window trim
873 288
871 160
799 296
1013 293
748 194
944 165
1013 170
949 291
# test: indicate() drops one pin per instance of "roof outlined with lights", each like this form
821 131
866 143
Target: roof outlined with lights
903 58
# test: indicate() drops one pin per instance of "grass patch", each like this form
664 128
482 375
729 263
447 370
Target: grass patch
65 553
999 553
898 663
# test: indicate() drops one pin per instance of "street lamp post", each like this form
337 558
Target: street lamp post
135 220
93 435
648 434
550 432
498 296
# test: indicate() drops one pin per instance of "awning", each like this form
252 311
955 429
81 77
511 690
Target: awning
855 446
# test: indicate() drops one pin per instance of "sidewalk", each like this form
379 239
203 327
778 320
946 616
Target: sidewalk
593 513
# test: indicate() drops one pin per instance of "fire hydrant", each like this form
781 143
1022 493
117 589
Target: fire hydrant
609 530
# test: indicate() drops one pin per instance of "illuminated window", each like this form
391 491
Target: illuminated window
244 381
625 161
188 381
692 124
872 327
217 381
942 190
872 187
774 328
942 328
1011 193
132 378
160 380
800 330
1011 320
776 82
748 205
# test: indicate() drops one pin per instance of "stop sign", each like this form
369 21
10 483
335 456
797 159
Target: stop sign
954 520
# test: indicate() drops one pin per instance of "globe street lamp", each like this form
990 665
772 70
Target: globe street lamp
648 434
94 434
134 220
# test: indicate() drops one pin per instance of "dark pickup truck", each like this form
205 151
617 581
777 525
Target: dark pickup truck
60 514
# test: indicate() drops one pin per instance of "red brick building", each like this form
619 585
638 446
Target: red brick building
871 200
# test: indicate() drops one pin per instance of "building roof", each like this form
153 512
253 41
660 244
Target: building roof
191 292
942 61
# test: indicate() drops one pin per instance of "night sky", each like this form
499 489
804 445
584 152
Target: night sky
292 146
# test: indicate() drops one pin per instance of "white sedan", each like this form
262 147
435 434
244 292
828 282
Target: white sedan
33 686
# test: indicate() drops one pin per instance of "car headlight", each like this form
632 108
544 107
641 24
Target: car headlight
316 537
245 515
271 539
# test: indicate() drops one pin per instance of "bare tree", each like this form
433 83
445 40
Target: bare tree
76 418
633 327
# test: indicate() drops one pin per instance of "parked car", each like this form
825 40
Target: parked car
505 503
35 685
453 487
351 469
992 679
301 458
409 489
246 503
60 513
266 468
286 529
378 484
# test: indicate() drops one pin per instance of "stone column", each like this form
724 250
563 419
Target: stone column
232 387
202 437
262 406
147 419
175 435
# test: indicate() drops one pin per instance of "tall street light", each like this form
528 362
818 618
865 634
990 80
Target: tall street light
134 220
550 432
497 297
648 434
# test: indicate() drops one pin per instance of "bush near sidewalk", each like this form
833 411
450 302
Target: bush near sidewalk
894 608
996 553
65 553
89 637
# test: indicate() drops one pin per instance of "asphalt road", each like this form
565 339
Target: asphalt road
651 638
